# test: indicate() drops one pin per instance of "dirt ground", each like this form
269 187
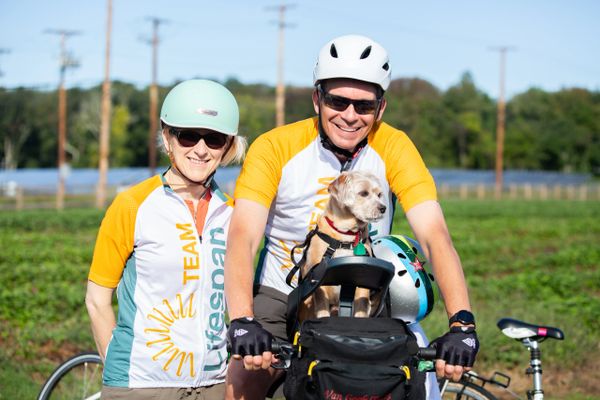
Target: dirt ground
557 384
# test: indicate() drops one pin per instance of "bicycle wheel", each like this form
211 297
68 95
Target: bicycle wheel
464 391
80 377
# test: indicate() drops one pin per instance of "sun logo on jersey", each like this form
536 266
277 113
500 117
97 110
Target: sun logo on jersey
168 352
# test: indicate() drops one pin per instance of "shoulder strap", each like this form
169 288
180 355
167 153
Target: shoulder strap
297 265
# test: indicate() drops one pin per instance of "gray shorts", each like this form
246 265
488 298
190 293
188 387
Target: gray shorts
270 307
213 392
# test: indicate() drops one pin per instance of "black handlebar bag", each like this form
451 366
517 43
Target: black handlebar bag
340 358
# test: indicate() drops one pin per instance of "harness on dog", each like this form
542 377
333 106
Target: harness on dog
316 272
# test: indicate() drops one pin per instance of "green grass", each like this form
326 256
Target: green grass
535 261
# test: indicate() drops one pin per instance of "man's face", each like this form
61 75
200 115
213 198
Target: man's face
347 127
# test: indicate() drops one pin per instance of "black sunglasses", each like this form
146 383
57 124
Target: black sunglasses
189 138
339 103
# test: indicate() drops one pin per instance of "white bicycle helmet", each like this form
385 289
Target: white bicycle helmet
411 293
355 57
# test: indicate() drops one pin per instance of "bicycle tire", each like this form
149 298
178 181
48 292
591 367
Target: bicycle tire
80 377
465 391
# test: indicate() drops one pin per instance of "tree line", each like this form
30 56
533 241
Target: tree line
455 128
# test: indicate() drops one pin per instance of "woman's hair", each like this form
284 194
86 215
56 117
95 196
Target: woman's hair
236 151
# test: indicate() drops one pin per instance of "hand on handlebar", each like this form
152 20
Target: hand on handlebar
250 341
456 351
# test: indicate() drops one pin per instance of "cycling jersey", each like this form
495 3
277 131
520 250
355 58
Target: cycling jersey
171 323
288 170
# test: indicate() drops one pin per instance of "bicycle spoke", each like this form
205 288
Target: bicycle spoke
80 379
465 391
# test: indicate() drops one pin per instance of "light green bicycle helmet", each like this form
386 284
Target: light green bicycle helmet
200 103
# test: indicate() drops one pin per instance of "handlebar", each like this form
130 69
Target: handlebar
277 346
284 351
427 353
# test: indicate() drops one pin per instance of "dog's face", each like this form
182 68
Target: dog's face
360 194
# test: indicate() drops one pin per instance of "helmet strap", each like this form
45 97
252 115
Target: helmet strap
206 183
329 145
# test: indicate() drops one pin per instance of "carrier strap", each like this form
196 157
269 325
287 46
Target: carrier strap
307 285
332 246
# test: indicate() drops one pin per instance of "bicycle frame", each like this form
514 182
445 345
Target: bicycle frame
535 369
530 336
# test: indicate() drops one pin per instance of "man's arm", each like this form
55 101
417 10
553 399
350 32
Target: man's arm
98 300
429 226
245 234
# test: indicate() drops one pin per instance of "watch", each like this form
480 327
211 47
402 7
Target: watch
464 317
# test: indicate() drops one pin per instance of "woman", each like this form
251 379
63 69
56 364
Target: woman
162 245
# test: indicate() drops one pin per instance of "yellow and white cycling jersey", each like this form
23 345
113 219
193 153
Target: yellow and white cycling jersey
171 323
288 170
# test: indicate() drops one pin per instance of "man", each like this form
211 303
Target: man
282 189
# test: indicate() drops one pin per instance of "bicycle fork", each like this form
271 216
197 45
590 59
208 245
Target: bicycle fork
535 369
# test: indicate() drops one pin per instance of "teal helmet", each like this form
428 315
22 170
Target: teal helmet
411 291
200 103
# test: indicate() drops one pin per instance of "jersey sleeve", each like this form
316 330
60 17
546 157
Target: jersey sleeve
260 175
409 178
114 243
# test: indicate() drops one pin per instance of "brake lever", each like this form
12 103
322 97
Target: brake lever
284 356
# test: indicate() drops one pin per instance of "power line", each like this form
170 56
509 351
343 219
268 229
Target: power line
66 61
3 51
280 89
104 145
154 42
500 121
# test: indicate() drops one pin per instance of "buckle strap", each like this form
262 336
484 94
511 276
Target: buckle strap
296 266
332 246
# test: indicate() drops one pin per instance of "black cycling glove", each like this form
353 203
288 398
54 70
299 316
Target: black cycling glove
457 347
247 337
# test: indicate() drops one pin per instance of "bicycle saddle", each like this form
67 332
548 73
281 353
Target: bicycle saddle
522 330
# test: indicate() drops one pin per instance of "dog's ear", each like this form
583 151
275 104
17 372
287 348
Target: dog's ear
339 189
336 187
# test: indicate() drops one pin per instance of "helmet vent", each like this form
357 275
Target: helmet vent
333 51
386 66
418 283
414 249
431 277
402 272
365 53
401 255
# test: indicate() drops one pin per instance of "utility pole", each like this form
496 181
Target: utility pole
153 95
105 117
500 122
280 89
3 51
66 61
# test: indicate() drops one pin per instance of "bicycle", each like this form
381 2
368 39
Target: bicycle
473 386
80 377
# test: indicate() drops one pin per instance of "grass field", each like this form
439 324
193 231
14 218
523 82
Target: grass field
538 261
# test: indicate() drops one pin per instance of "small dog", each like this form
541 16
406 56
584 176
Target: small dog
355 201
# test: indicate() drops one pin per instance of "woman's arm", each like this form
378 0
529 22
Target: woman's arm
98 300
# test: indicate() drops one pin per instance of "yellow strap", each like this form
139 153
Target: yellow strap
311 366
406 372
296 336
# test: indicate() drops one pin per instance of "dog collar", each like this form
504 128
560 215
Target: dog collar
355 234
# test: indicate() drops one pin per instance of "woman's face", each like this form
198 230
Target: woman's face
196 153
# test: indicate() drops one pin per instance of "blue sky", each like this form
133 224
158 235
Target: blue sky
556 44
